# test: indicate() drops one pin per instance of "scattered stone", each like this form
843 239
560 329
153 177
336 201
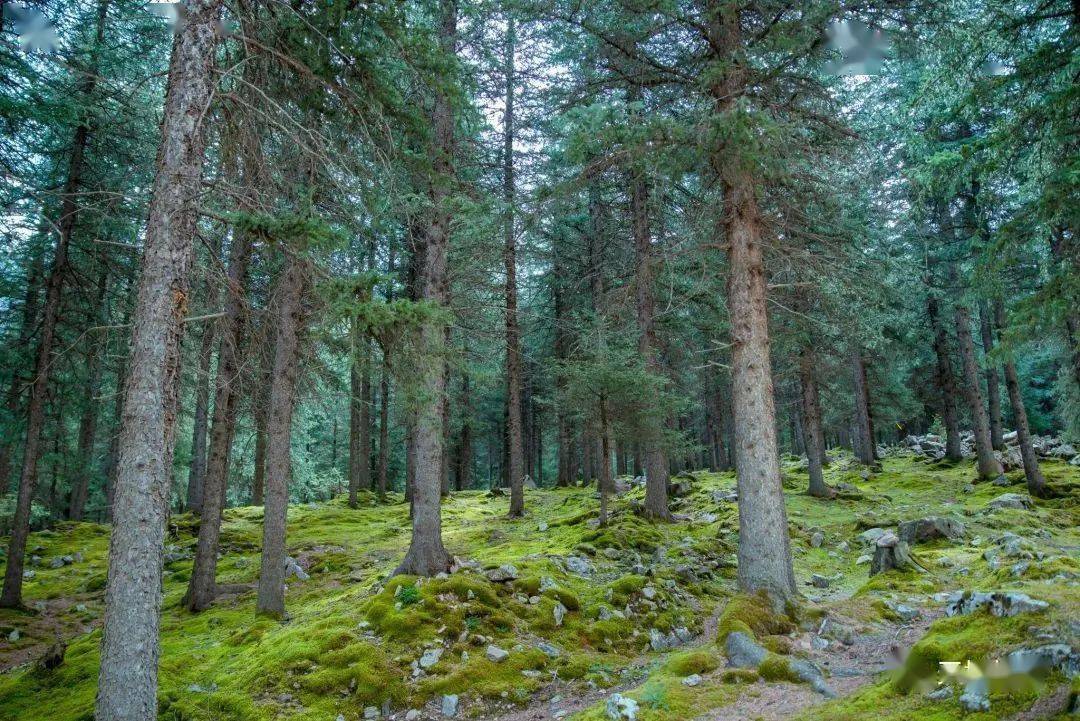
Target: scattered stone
542 526
929 529
976 696
725 496
548 649
496 654
999 603
871 535
817 539
14 636
505 572
28 574
450 705
843 547
577 565
649 592
620 708
863 559
430 657
559 612
371 712
692 680
57 562
292 568
743 651
1011 500
412 715
941 693
906 613
819 581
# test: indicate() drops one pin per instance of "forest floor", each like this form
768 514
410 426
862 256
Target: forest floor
549 616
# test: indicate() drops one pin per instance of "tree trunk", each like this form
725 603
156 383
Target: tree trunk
11 595
988 466
863 437
202 586
993 393
384 427
1065 254
426 555
290 322
1032 473
515 455
198 433
946 382
80 487
811 423
258 478
465 452
354 428
605 482
127 681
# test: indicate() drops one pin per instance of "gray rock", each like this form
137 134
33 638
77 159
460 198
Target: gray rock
1010 500
371 712
1051 657
430 657
548 649
577 565
871 535
559 612
941 693
817 539
810 674
649 592
621 708
292 568
505 572
976 696
906 613
743 651
725 496
450 705
28 573
681 487
863 559
692 680
496 654
412 715
14 635
929 529
819 581
57 563
999 603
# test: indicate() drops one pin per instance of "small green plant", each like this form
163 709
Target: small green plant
408 595
654 695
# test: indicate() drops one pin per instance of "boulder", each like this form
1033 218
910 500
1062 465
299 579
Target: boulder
577 565
1010 500
502 574
430 658
871 535
998 603
496 654
621 708
450 705
292 568
681 487
929 529
742 651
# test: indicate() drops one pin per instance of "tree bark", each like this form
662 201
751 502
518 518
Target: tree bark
515 454
1032 473
11 595
604 481
811 423
127 681
764 554
465 452
384 428
988 466
426 555
202 586
271 595
1067 255
993 392
80 487
198 433
863 439
946 382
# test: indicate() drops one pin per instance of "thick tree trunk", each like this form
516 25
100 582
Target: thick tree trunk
80 487
811 423
993 392
1032 473
202 586
426 555
946 382
258 478
271 595
127 681
864 434
515 454
11 595
988 466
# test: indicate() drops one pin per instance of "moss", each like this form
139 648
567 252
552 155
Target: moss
567 598
754 616
739 675
688 663
777 668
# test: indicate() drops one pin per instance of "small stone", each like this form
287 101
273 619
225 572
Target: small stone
505 572
941 693
577 565
692 680
549 650
863 559
412 715
56 563
13 636
430 657
649 592
817 539
559 612
371 712
819 581
496 654
450 705
619 707
976 696
1010 500
28 573
542 526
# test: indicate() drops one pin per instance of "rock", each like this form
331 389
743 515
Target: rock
14 636
28 574
819 581
1011 500
505 572
548 649
692 680
649 592
412 715
1065 450
450 705
57 563
743 651
941 693
496 654
547 583
889 553
871 535
559 612
542 526
976 696
430 657
54 655
292 568
843 547
929 529
810 674
1010 437
681 487
577 565
371 712
725 496
817 539
1051 657
999 603
620 708
863 559
906 613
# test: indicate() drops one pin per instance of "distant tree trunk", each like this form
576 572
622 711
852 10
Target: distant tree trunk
127 681
444 417
515 456
864 435
426 555
993 393
360 415
289 315
1032 473
811 417
946 382
605 482
384 427
764 555
1066 254
988 466
465 451
258 479
11 595
354 430
198 433
588 465
202 586
88 421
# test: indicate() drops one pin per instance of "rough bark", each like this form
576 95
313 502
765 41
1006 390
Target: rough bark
258 478
465 451
993 392
202 586
384 428
1036 484
863 438
1066 254
11 595
198 433
127 681
605 482
426 555
270 599
988 466
515 453
354 428
764 554
811 423
80 487
946 382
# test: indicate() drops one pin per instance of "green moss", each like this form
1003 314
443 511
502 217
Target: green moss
777 668
739 675
688 663
754 616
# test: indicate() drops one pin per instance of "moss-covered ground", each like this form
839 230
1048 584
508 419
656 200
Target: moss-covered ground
354 636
